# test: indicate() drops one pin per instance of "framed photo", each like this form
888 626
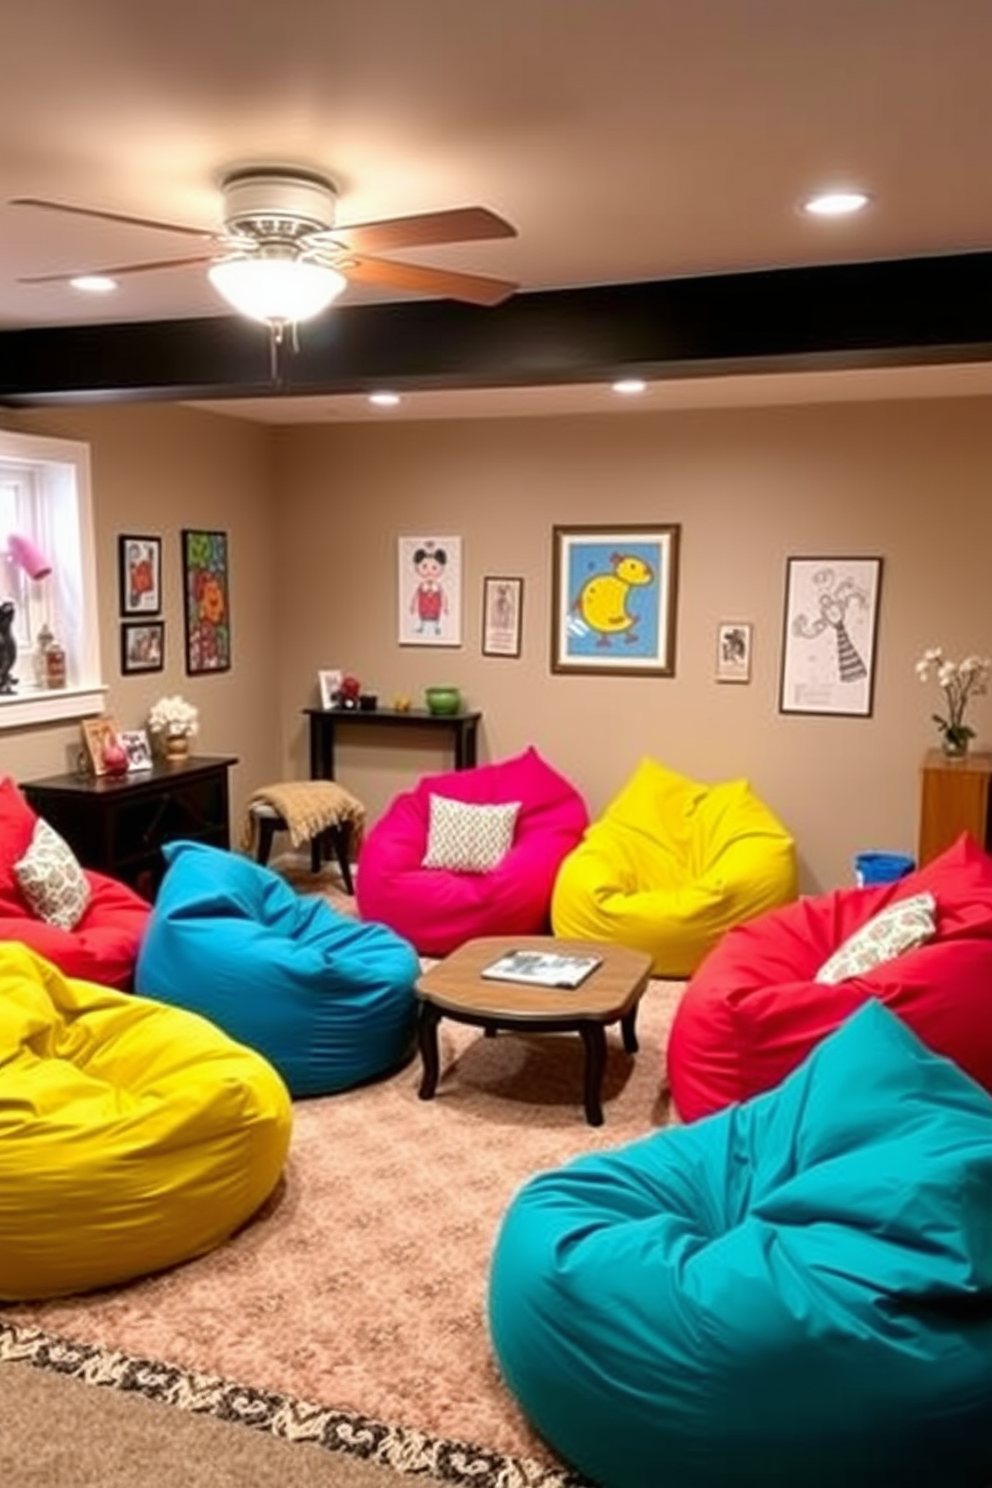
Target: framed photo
502 614
139 569
614 599
97 734
142 646
329 683
828 644
430 591
206 601
135 744
733 651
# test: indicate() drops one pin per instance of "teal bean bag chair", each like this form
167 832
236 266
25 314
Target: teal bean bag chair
326 998
797 1291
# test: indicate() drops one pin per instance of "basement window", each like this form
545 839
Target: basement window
48 572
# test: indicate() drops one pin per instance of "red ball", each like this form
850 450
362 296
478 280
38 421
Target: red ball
114 759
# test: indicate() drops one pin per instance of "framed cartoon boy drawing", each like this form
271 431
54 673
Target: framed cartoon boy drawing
430 591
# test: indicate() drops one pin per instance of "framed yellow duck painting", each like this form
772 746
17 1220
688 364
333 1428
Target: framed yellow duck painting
615 599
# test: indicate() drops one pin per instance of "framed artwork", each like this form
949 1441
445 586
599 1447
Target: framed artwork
733 651
502 614
430 591
614 599
329 683
139 570
97 734
828 643
135 744
142 646
206 601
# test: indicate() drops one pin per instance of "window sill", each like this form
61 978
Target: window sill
21 710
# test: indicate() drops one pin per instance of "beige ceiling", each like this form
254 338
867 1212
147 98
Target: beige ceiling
626 139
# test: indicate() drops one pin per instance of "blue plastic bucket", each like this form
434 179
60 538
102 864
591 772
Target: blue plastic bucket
881 868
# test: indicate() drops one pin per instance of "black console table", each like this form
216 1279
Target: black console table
117 824
325 722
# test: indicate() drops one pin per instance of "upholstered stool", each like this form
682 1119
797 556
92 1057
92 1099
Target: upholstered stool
320 812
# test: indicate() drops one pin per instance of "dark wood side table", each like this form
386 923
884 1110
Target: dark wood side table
117 825
954 798
455 988
325 723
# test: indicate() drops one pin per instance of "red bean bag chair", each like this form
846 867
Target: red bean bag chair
438 908
754 1009
102 944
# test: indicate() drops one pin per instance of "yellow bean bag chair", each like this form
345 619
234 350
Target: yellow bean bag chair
132 1135
671 865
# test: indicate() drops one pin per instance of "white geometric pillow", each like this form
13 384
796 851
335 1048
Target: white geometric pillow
466 838
51 879
903 926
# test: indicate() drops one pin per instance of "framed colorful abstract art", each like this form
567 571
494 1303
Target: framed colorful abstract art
206 601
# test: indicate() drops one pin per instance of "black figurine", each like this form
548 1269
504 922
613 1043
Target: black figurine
8 647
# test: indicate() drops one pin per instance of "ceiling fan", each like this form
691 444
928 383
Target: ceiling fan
280 258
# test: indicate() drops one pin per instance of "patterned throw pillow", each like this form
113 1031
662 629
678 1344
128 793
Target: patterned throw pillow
469 839
51 879
901 927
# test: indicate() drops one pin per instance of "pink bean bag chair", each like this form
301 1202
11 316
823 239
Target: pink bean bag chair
755 1009
438 909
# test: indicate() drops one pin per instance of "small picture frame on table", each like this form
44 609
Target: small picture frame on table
139 567
97 734
136 746
329 683
142 646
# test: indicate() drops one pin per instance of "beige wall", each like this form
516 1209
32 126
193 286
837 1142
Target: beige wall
156 469
907 481
313 515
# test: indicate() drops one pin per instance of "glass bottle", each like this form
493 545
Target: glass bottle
54 665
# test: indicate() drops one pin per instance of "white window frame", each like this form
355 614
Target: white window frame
61 469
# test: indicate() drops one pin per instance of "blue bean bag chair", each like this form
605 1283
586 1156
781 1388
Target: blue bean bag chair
326 998
797 1291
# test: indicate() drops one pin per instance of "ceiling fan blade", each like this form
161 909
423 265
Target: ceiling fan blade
54 206
119 270
459 225
473 288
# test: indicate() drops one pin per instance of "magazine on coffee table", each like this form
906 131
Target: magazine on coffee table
541 969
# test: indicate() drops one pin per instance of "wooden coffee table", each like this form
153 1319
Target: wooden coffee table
455 988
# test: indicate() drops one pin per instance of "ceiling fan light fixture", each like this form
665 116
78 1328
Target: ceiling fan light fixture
276 289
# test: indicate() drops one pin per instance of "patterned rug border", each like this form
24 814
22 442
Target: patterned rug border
293 1420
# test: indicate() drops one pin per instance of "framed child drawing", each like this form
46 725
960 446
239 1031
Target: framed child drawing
430 591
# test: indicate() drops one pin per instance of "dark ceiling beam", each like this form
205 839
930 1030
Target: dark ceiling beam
881 314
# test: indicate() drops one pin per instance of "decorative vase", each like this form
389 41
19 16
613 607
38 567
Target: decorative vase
443 702
176 747
954 748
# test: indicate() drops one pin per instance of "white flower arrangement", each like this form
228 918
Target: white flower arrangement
174 717
960 681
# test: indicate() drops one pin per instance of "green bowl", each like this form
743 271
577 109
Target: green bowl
443 701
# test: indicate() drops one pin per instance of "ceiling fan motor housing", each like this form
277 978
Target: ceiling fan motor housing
277 202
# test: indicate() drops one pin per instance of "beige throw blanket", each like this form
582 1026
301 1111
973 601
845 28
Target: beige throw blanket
308 807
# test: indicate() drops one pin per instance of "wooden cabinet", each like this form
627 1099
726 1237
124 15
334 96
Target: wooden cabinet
118 826
954 798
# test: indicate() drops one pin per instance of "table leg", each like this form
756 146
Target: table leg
430 1017
594 1038
628 1027
465 744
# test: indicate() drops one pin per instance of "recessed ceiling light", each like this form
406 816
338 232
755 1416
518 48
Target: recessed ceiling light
94 283
384 400
835 203
628 385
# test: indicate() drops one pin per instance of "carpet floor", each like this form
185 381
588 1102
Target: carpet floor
355 1301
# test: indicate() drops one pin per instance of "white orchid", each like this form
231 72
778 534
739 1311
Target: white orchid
960 681
175 717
